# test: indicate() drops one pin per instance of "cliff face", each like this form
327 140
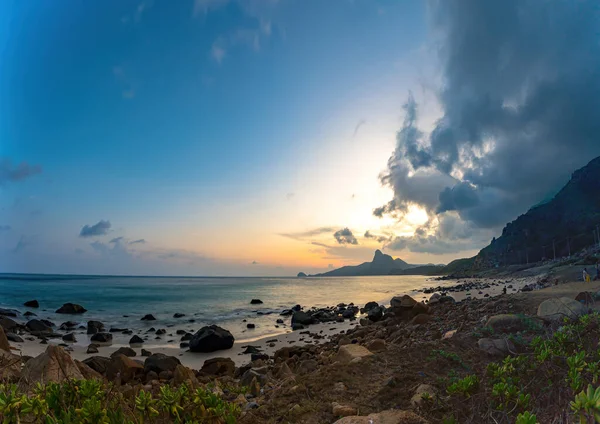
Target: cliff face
567 222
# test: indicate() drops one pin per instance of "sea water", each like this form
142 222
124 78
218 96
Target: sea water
122 301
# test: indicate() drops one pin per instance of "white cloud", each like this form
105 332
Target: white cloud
218 52
202 7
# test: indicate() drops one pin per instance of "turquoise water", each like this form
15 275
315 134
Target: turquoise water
224 301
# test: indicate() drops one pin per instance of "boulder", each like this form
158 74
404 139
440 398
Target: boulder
178 315
10 366
148 317
159 362
496 347
9 312
8 324
375 314
420 308
302 318
127 351
256 302
32 304
369 306
4 345
218 367
87 372
92 348
250 326
136 340
29 314
251 376
125 368
102 338
210 339
402 302
13 337
94 327
37 326
53 365
97 363
184 374
342 410
349 352
559 308
393 416
506 323
434 298
71 308
146 353
69 338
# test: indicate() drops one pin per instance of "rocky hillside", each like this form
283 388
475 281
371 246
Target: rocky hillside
568 220
381 264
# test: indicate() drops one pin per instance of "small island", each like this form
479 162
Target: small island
301 275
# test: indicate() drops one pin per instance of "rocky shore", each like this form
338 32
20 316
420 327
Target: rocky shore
369 363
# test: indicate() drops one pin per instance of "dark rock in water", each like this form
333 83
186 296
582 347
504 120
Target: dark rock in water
67 325
250 325
375 314
297 326
151 330
14 338
92 348
32 304
349 313
180 332
29 314
369 306
303 318
127 351
102 337
71 308
178 315
9 312
218 367
94 327
136 340
251 349
128 332
279 321
146 352
117 330
148 317
184 345
301 275
97 363
159 363
286 312
211 339
256 302
186 337
69 338
37 325
297 308
257 356
160 331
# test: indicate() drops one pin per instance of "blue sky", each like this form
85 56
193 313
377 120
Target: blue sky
234 137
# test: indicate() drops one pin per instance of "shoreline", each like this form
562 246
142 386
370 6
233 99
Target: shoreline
461 290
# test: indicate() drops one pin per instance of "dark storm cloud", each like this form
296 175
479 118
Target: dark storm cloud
521 100
99 229
12 173
345 236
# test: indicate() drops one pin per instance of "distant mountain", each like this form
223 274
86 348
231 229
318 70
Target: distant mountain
381 264
562 224
419 270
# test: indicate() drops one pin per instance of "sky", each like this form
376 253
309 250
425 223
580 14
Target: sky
268 137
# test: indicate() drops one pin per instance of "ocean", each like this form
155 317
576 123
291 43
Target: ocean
121 301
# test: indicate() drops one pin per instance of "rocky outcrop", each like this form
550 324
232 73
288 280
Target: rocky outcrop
71 308
8 324
256 302
37 325
136 340
53 365
148 317
97 363
159 362
94 327
10 366
302 318
558 308
350 352
218 367
123 368
4 345
210 339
